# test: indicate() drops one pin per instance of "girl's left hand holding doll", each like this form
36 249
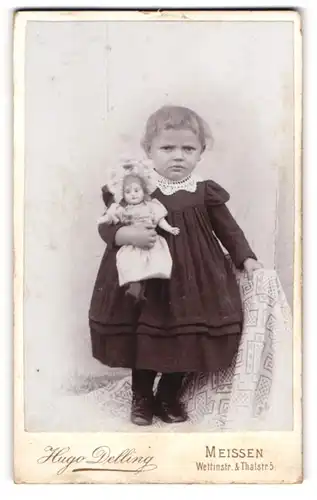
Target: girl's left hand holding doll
251 265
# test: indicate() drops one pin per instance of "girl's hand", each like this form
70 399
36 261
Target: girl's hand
251 265
136 235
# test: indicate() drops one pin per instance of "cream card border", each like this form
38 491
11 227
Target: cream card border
162 457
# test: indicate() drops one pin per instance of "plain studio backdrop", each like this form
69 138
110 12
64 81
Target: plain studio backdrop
89 88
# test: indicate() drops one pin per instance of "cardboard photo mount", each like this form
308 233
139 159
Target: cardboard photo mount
94 457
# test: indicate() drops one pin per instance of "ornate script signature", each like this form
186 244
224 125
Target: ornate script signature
126 460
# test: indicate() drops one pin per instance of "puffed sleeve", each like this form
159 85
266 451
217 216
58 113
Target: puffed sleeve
225 226
108 231
158 210
215 194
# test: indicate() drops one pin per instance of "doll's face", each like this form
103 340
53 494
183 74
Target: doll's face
133 192
175 153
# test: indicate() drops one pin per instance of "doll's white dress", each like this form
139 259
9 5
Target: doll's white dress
136 264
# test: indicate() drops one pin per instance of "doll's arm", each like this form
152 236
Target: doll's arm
163 224
104 219
112 216
160 213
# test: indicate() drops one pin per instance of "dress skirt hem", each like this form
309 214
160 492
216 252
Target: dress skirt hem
178 353
157 331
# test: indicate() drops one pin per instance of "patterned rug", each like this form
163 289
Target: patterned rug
253 394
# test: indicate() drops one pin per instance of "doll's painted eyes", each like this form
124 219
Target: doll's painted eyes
133 189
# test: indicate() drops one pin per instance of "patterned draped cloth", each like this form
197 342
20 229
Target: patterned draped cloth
255 393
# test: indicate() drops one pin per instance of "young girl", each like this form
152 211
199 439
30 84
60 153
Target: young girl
192 322
131 186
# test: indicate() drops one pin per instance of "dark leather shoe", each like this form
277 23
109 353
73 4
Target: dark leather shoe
170 412
142 410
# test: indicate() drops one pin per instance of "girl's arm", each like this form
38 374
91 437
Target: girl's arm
108 231
119 235
163 224
230 234
138 236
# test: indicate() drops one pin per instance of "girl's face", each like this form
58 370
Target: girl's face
133 192
175 153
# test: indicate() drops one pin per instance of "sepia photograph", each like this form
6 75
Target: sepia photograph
157 163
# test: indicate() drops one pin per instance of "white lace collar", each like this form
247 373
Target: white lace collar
167 186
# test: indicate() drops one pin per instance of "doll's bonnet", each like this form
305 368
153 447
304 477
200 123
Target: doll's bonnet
127 168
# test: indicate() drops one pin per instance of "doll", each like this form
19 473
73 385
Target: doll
133 205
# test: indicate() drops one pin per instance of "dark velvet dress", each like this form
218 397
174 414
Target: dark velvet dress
191 322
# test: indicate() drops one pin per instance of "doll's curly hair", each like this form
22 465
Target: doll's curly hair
131 169
138 178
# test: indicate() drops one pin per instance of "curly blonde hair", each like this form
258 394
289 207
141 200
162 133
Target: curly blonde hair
176 117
